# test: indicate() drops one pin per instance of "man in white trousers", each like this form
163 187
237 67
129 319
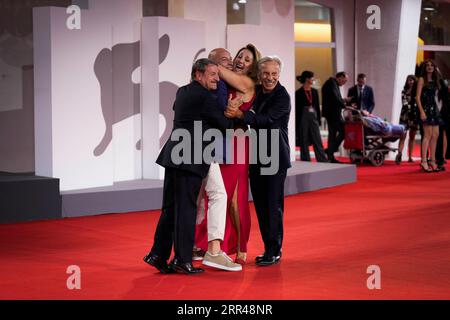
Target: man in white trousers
214 189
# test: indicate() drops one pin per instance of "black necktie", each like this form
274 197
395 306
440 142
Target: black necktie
360 96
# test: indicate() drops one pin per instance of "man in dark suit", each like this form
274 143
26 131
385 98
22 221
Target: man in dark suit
361 94
195 108
444 128
270 112
332 105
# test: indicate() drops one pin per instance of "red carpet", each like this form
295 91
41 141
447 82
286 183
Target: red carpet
394 217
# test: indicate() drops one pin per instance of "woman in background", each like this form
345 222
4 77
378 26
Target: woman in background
409 117
307 122
427 89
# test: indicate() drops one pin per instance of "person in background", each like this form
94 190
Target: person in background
362 95
409 117
332 106
441 146
308 118
427 88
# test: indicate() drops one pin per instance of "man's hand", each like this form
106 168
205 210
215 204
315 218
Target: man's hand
233 110
234 103
237 113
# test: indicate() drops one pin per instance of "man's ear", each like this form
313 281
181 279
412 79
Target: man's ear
197 75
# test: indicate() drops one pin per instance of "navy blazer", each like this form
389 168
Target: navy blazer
194 103
272 111
367 99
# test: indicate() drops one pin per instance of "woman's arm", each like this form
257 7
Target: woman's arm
240 82
418 100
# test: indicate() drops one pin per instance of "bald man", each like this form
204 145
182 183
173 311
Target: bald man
222 57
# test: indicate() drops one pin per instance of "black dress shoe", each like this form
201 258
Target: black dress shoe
159 263
260 257
268 261
184 267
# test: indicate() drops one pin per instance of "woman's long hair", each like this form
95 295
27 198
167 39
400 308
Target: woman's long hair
414 87
435 76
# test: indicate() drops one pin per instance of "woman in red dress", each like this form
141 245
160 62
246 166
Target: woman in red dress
241 82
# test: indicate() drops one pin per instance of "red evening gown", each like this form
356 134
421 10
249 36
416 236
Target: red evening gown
233 174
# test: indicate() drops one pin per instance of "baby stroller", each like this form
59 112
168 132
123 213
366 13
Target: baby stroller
367 137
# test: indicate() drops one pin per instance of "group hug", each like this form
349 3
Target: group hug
205 209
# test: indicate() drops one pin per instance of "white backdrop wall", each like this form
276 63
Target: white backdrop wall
72 109
388 55
281 14
126 25
240 35
167 57
214 15
376 52
406 59
407 47
79 73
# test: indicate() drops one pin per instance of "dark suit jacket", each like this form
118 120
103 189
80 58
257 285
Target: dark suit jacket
332 102
272 111
444 96
367 99
194 103
222 94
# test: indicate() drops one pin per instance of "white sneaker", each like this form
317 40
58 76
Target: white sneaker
221 261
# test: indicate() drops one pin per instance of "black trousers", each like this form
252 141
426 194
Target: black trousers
268 197
310 134
440 155
336 133
176 224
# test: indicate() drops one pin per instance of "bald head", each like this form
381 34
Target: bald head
222 57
